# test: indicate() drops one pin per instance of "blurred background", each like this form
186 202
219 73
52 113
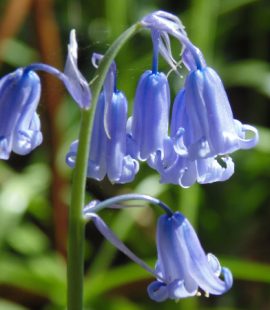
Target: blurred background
232 218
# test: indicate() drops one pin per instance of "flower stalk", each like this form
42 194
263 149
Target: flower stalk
76 222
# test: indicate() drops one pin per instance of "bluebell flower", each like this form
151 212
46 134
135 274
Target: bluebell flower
108 149
203 131
203 116
19 98
182 268
183 264
148 126
202 119
150 118
19 122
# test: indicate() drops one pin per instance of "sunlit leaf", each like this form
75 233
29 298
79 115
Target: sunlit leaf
248 73
11 48
28 239
233 5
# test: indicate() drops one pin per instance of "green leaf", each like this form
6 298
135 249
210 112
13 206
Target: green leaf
264 141
44 275
247 270
28 239
6 305
232 5
16 194
248 73
103 282
11 48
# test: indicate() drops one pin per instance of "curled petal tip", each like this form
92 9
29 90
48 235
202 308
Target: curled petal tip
158 291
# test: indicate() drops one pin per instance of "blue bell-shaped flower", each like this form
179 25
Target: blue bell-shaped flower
150 118
108 150
148 126
183 264
182 268
203 115
19 98
19 123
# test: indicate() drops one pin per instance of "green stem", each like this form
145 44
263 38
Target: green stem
76 222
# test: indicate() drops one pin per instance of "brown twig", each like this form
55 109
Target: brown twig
50 50
13 17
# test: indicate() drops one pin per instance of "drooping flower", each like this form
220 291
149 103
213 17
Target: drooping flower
202 112
108 148
202 130
150 118
182 268
19 122
148 126
19 98
183 264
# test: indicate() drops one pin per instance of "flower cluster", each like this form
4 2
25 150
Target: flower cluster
19 97
186 143
190 145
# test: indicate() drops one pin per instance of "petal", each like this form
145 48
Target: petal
109 87
221 134
179 123
13 95
246 143
189 175
210 170
4 149
158 291
97 164
120 168
27 135
19 123
214 264
71 155
177 290
130 167
197 263
75 82
172 258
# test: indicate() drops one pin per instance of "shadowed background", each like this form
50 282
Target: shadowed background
231 218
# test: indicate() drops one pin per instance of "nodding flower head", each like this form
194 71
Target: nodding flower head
19 98
150 118
108 149
203 130
183 264
19 122
182 268
202 112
